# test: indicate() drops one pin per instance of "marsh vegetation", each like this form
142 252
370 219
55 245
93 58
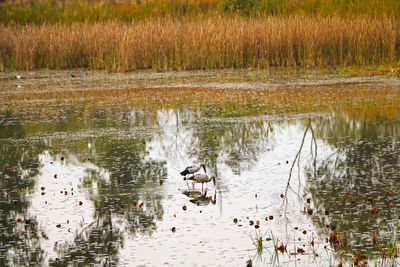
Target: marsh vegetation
187 35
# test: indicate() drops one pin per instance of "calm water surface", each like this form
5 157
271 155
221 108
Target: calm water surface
86 180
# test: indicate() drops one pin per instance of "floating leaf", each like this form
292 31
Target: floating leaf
184 207
282 195
173 229
304 232
58 225
235 220
301 250
80 203
55 176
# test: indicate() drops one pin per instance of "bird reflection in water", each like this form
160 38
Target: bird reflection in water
201 199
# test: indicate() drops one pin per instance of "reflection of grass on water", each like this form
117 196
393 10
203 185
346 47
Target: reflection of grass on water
372 103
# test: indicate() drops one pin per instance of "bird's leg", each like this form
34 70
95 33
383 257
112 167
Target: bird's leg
193 185
187 185
202 187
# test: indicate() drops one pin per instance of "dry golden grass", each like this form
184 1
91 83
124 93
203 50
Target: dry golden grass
213 42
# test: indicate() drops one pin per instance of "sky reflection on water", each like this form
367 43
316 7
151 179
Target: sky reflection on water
117 193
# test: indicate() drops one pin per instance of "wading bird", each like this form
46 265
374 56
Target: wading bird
193 169
201 178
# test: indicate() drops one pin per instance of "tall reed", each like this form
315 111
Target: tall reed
212 42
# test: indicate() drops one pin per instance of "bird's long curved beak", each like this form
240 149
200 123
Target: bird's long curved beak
204 167
214 181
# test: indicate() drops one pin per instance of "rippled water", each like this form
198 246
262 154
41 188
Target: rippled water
90 168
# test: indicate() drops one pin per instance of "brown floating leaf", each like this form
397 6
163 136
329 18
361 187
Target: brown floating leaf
258 222
184 208
301 250
62 158
282 195
309 211
251 222
235 220
58 225
43 193
256 226
308 200
42 188
304 232
173 229
174 215
19 220
55 176
374 211
255 195
22 233
271 217
287 162
161 182
80 203
282 248
28 221
19 190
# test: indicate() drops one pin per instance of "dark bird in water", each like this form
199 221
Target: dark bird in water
201 178
203 199
193 169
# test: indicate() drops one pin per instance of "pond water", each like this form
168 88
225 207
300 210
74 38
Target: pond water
306 161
